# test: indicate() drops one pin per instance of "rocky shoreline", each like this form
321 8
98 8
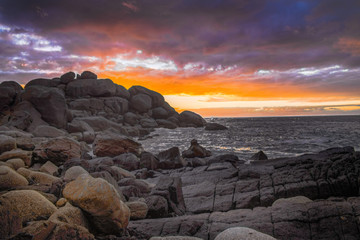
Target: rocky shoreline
71 168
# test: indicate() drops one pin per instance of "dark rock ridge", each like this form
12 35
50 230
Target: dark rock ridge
72 100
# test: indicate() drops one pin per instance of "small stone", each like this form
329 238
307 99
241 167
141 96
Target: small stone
61 202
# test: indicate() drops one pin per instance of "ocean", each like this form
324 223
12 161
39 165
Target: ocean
276 136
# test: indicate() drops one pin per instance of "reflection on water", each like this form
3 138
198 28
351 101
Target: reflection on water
277 137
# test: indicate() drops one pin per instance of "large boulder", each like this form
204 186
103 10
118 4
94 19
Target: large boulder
98 123
195 150
7 143
73 173
128 161
170 159
43 82
149 161
157 99
57 150
141 103
9 94
50 102
188 118
242 233
88 75
48 131
91 88
100 201
113 145
10 179
67 77
21 206
159 113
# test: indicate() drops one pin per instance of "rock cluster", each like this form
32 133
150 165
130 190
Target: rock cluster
70 169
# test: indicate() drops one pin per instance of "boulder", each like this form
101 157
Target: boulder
67 77
100 200
91 88
74 172
16 163
48 131
88 75
138 210
26 117
122 92
50 102
57 150
21 206
10 179
122 172
259 156
143 186
141 103
214 127
149 161
156 98
70 214
171 159
113 145
44 82
175 238
101 124
49 168
148 123
7 143
242 233
37 177
131 118
188 118
166 124
128 161
159 113
195 150
9 94
297 200
17 153
157 206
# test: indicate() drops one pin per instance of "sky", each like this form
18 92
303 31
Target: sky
217 58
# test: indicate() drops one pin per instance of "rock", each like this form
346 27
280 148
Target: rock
7 143
61 202
102 124
88 75
49 168
100 200
70 214
113 145
9 94
156 98
148 123
74 172
37 177
188 117
122 92
124 173
242 233
171 159
157 206
259 156
17 153
57 150
142 185
16 163
128 161
166 124
91 88
149 161
231 158
159 113
141 103
297 199
50 102
43 82
48 131
138 210
171 189
67 77
21 206
131 118
214 127
196 150
10 179
175 238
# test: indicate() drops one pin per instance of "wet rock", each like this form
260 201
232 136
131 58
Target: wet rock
10 178
214 127
259 156
141 103
7 143
50 102
114 145
138 210
191 118
57 150
17 153
21 206
157 206
171 159
196 150
149 161
37 177
243 233
101 201
48 131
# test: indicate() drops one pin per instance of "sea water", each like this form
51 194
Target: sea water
276 136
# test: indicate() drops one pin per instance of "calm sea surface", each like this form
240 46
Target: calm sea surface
276 136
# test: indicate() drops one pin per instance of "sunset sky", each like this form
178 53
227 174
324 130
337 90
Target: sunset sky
218 58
